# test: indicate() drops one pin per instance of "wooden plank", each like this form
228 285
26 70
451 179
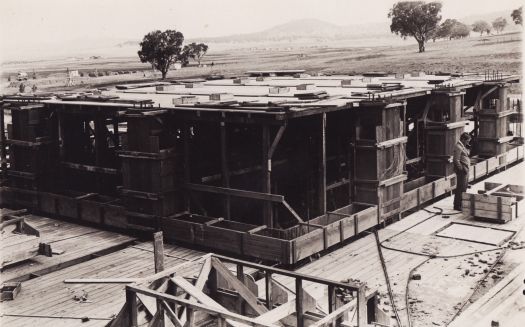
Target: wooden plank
490 214
334 315
278 313
211 307
292 211
239 287
171 315
482 198
488 206
235 192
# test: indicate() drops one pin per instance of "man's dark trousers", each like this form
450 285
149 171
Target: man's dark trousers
461 186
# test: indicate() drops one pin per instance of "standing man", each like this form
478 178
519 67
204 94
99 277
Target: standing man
461 167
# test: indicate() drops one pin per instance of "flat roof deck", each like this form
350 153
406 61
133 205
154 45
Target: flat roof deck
254 96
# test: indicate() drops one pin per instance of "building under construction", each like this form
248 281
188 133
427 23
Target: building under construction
279 174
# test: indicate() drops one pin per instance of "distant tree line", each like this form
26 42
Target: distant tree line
420 20
163 49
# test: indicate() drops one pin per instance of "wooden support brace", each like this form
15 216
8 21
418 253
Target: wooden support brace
239 287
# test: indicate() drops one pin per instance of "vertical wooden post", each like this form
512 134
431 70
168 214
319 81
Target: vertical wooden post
158 256
299 301
158 251
361 307
331 301
131 303
268 289
331 298
240 276
224 168
322 166
267 173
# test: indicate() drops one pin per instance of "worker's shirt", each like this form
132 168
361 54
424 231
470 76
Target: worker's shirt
461 158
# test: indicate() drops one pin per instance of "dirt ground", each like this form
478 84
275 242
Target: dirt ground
474 54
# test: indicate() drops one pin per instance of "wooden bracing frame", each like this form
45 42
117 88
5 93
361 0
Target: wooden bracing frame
169 299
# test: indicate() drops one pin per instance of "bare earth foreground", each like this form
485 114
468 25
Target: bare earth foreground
474 54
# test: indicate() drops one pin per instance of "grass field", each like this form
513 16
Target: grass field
473 54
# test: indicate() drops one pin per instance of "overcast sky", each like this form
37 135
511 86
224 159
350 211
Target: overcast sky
55 21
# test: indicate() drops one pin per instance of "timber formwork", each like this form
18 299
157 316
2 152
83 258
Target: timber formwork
274 168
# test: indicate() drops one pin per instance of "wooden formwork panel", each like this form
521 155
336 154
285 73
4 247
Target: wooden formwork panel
187 228
19 198
493 127
31 122
34 160
148 134
441 142
226 235
492 147
439 167
381 164
164 204
426 190
286 246
387 197
115 216
447 103
150 175
30 181
269 248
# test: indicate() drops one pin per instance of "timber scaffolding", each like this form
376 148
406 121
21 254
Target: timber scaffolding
276 166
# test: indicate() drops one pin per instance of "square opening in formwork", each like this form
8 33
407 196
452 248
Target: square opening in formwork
477 234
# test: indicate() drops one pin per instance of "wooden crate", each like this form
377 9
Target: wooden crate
386 194
115 215
157 204
187 228
92 208
497 203
269 244
425 189
226 236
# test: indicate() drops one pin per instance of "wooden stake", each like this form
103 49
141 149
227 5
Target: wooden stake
158 251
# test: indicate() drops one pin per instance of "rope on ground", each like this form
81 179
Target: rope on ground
387 279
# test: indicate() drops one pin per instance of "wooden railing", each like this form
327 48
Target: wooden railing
181 310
